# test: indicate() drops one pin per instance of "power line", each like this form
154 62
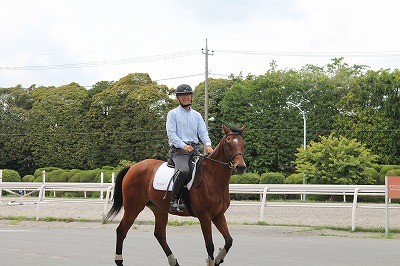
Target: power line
187 76
314 54
106 62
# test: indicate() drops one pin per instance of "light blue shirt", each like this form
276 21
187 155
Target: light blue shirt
186 126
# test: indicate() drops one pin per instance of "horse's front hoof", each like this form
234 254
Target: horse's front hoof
219 263
119 262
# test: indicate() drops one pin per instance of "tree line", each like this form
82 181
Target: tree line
71 127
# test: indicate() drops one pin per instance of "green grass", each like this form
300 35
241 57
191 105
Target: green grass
178 223
378 232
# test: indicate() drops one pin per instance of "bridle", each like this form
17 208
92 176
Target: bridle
230 163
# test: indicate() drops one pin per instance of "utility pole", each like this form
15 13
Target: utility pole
206 53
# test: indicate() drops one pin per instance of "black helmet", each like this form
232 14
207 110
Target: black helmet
183 89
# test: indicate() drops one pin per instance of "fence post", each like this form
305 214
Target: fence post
353 211
112 184
1 180
263 201
43 183
41 196
102 181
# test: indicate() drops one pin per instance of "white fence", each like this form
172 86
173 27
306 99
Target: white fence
289 189
29 188
263 190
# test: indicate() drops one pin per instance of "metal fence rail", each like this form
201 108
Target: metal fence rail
264 190
29 188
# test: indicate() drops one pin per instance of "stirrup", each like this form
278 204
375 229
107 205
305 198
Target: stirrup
176 207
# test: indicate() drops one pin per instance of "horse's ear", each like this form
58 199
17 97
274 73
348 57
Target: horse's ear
243 128
225 129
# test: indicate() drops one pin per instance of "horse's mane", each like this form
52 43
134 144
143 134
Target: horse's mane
235 129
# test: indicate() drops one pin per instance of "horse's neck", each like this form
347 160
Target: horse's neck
218 166
218 153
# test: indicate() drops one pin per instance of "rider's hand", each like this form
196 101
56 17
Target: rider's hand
188 148
209 149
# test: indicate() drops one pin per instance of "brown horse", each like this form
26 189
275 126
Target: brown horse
208 197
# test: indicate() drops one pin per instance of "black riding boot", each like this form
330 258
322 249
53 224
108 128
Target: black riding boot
176 191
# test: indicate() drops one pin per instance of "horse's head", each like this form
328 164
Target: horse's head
234 148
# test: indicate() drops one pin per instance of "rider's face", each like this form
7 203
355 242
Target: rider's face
185 98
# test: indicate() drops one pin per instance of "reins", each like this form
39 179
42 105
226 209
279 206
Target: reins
229 164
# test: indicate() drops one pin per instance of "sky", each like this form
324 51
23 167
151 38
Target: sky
56 42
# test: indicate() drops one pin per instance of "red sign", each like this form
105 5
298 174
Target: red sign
393 187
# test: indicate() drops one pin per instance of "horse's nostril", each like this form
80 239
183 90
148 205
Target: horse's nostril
240 169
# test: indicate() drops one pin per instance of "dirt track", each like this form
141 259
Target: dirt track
306 216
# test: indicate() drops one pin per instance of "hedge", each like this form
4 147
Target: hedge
386 168
11 176
272 178
394 172
294 179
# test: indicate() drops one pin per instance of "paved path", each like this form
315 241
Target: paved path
57 243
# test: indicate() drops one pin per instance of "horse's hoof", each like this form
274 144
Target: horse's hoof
119 262
219 263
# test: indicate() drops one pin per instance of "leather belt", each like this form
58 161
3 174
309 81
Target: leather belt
193 144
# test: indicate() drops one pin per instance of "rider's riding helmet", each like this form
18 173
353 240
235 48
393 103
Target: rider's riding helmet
183 89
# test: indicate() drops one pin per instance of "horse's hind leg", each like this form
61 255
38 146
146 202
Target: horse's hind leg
221 225
123 228
160 232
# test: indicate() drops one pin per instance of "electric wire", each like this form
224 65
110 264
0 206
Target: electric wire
106 62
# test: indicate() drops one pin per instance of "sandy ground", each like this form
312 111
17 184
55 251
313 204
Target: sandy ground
92 210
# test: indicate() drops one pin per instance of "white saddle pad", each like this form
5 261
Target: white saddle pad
163 177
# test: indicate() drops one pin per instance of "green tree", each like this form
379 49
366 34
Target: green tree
335 161
370 112
217 89
57 126
15 104
129 119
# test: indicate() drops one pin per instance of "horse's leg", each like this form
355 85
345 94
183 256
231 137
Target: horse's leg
160 232
129 217
220 223
207 234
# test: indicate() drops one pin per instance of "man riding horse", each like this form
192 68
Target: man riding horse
184 128
209 198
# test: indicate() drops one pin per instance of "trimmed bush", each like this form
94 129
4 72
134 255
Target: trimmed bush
234 179
377 167
53 176
89 176
394 172
11 176
74 178
248 178
27 178
373 173
107 175
386 168
38 172
272 178
295 179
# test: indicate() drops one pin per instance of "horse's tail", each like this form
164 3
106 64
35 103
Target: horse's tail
117 205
